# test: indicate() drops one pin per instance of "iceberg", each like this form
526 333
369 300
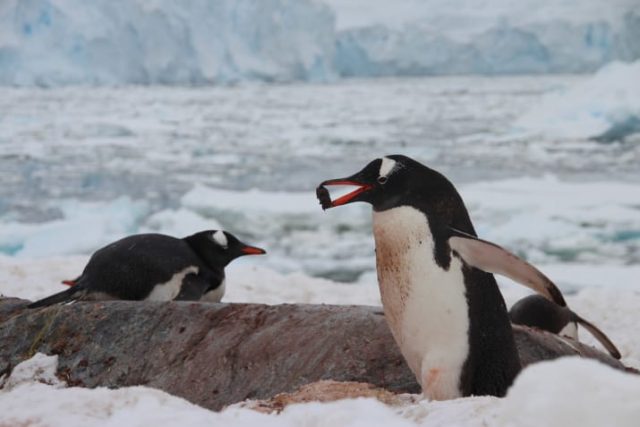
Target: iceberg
604 107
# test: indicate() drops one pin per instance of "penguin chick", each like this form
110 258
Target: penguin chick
441 301
157 267
538 312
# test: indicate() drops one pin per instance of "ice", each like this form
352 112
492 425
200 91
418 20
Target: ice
83 227
49 42
547 219
52 42
605 107
448 37
544 219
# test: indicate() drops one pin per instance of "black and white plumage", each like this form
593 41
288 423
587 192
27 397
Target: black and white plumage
538 312
440 299
157 267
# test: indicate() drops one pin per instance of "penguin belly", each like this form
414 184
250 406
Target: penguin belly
216 294
170 289
570 330
424 304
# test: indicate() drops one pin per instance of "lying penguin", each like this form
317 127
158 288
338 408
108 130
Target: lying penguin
538 312
441 301
157 267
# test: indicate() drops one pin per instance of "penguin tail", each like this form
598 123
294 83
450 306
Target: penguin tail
600 336
71 294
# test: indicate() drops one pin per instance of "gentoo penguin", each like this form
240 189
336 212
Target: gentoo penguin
440 299
538 312
157 267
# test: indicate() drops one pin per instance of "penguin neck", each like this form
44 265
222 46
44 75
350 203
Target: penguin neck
214 261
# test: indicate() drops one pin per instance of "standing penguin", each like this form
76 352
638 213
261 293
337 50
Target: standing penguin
441 301
538 312
157 267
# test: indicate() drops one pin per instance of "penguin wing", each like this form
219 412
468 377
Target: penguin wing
492 258
600 336
193 287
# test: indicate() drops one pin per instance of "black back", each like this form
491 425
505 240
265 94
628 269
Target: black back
130 268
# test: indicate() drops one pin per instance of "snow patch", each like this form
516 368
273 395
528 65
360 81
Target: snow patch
571 392
38 369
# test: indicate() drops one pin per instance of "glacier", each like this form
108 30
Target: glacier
57 42
118 42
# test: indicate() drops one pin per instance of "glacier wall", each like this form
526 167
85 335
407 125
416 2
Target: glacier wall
52 42
113 42
555 46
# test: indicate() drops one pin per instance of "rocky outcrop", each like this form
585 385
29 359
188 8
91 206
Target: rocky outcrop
218 354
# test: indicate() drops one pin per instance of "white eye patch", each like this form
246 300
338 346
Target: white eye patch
221 239
387 166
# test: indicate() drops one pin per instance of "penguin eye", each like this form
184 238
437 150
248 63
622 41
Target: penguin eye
382 179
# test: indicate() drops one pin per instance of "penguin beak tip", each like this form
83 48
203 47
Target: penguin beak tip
325 198
252 250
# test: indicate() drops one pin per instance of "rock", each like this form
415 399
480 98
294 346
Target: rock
218 354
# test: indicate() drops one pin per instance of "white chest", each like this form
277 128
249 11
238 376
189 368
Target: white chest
216 294
571 331
171 288
425 305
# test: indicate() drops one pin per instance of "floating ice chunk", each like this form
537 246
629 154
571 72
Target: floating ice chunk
84 227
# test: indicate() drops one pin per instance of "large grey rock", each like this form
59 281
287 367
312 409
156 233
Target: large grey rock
217 354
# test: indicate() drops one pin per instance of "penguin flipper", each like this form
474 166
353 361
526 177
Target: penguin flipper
193 288
492 258
67 295
600 336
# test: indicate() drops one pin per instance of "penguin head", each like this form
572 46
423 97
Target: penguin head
537 311
389 182
218 248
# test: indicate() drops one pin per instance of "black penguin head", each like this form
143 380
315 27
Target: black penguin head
393 181
218 248
537 311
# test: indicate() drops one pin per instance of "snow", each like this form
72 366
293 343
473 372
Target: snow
606 295
39 368
605 104
568 391
54 42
